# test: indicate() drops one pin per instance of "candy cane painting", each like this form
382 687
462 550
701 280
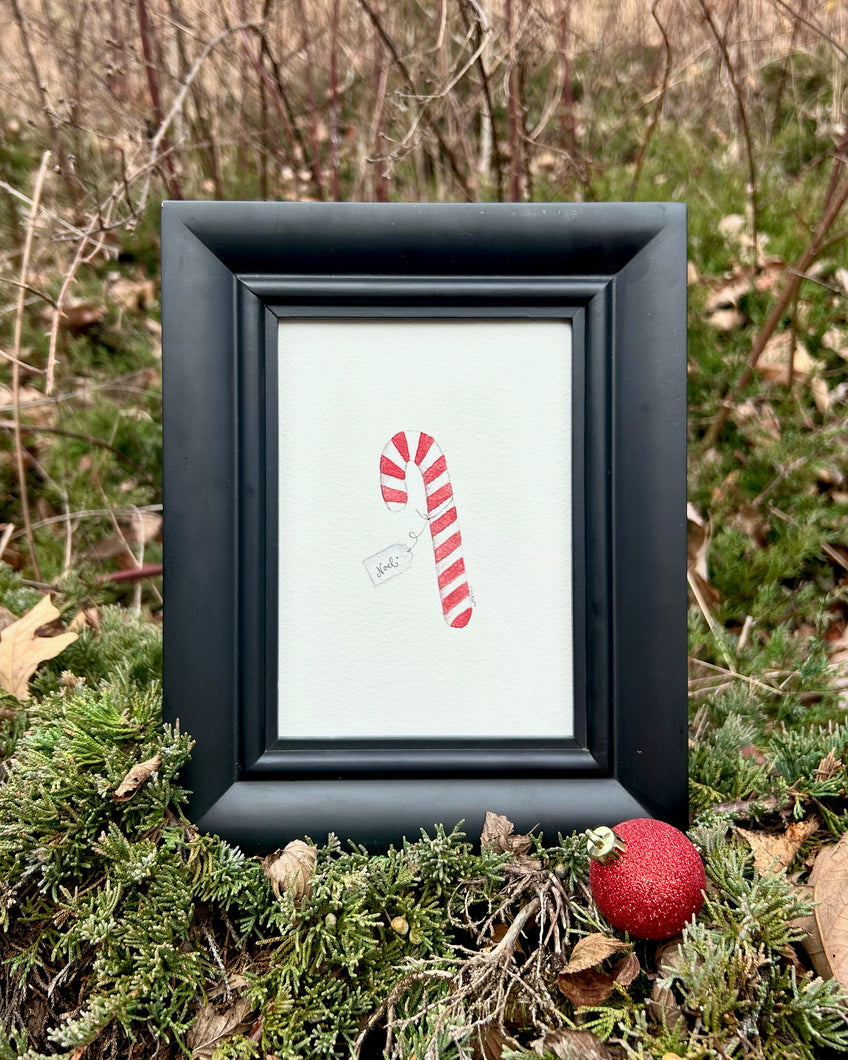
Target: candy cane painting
421 449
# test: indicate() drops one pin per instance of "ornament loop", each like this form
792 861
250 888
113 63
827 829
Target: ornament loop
604 845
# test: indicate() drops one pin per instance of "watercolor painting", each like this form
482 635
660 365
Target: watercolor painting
421 449
424 520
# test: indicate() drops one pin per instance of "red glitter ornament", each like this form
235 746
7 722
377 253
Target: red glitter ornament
646 877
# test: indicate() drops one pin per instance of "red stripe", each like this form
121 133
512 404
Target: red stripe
449 546
452 599
399 441
390 469
424 443
461 619
438 525
434 470
439 497
393 495
452 573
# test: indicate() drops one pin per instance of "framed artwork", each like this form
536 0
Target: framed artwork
425 514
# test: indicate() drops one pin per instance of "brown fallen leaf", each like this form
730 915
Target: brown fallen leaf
35 407
770 275
827 928
698 534
772 853
489 1042
592 950
582 981
728 294
726 319
589 987
291 869
498 834
80 316
139 773
627 969
663 1005
22 650
773 365
212 1025
836 339
89 618
567 1044
129 293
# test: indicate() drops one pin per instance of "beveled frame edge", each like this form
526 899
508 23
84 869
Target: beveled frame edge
220 261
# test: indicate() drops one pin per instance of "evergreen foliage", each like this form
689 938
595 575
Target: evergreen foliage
120 921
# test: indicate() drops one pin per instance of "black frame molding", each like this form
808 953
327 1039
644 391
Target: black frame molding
617 273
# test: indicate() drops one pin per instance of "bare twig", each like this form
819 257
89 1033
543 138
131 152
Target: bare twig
312 109
811 23
751 189
135 574
8 530
732 672
455 168
491 130
152 70
90 439
38 83
658 104
16 363
334 102
512 108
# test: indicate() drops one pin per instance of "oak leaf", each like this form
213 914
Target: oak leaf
22 650
291 869
775 852
139 773
827 928
567 1044
499 834
213 1025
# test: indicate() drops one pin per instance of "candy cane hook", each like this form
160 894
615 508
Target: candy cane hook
441 515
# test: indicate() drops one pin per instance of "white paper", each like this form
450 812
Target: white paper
358 660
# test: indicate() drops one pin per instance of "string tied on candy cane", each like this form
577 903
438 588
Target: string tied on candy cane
419 448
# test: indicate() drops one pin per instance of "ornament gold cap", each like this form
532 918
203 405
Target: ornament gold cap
604 845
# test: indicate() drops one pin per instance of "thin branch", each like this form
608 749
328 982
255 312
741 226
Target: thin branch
484 29
813 25
753 208
134 574
91 513
39 428
312 109
16 364
512 107
146 34
176 106
334 102
459 176
658 106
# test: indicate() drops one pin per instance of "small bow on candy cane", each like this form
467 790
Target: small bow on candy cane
420 449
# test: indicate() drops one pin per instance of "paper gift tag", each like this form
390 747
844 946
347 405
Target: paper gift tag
385 565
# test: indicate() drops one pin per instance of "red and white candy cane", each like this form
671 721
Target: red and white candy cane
441 514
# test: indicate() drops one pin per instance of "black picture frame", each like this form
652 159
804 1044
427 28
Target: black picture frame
617 273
